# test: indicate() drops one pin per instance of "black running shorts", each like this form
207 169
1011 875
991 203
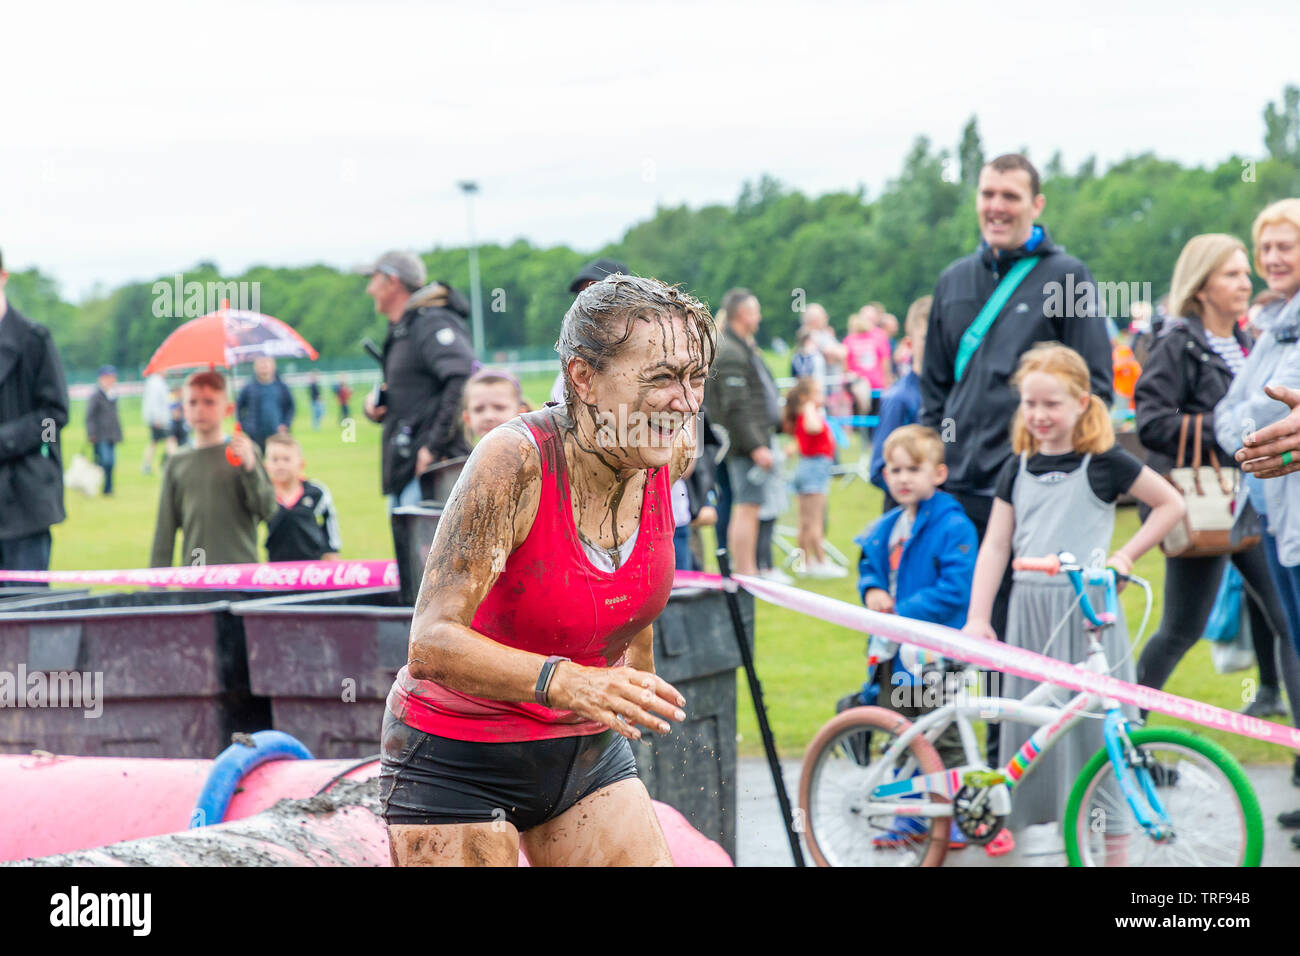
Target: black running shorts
429 780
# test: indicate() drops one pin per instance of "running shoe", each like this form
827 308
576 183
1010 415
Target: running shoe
826 569
776 576
1267 703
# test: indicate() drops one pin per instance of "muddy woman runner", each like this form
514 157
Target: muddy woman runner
531 661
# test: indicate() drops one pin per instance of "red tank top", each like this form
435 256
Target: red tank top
550 599
822 444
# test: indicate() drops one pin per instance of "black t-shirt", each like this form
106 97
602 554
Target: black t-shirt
1110 473
306 531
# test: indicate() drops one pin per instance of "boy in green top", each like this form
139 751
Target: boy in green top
216 505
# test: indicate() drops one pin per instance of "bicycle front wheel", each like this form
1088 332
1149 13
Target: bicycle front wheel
1203 790
833 793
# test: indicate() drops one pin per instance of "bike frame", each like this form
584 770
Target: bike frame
1054 722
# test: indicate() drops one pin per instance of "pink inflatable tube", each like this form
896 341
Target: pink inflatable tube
71 805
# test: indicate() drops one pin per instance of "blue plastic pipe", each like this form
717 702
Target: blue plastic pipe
233 764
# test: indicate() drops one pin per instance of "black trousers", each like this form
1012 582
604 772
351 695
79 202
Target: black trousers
763 548
978 508
1191 585
28 553
722 487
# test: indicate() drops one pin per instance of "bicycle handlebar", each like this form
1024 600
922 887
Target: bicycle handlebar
1050 565
1079 576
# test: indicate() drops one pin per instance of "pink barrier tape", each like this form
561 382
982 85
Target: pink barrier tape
993 655
276 576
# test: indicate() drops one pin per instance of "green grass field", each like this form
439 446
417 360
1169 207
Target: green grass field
805 665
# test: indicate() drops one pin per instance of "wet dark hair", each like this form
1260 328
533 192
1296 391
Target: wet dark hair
599 324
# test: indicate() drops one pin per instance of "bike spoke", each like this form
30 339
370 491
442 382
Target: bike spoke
1198 799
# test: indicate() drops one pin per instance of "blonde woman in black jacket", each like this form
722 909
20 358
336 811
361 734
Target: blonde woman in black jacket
1189 370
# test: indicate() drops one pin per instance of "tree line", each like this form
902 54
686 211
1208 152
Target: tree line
842 249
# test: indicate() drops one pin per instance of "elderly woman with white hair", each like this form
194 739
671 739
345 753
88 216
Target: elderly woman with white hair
1254 414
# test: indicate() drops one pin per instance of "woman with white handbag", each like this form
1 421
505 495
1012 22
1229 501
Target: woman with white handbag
1190 369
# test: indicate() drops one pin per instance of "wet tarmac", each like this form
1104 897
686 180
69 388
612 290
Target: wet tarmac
761 839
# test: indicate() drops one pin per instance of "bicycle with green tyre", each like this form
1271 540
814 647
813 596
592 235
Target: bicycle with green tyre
1152 796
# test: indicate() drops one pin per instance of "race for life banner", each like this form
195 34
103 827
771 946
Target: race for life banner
991 655
278 576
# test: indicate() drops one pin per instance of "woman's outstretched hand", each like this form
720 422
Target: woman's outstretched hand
1262 453
604 694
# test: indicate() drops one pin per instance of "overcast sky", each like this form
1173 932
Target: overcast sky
139 138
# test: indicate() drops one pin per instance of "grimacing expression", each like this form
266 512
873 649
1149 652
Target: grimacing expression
646 395
1006 207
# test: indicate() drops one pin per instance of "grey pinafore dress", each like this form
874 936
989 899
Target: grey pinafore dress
1056 512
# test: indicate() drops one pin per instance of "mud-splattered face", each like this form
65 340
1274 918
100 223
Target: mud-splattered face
642 400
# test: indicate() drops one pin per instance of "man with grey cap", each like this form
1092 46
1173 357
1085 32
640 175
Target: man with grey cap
591 273
427 358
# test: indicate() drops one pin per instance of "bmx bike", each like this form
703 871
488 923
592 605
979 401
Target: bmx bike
1158 796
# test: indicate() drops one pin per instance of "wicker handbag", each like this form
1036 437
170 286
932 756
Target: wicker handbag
1209 492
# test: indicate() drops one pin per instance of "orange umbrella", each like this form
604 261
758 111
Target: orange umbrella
228 337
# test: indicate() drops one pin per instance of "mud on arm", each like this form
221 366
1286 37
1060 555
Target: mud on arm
490 511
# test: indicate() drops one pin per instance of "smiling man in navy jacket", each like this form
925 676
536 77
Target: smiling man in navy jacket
966 393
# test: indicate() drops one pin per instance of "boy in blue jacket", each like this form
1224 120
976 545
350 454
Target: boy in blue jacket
917 561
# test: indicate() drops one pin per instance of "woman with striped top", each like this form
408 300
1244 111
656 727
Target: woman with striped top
1188 372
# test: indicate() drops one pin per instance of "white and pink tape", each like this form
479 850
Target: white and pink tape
993 655
339 575
278 576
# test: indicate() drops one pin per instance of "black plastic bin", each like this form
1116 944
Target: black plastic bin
693 767
413 529
23 593
436 482
327 662
171 667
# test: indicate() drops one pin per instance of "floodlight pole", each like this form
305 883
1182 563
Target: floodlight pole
469 188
